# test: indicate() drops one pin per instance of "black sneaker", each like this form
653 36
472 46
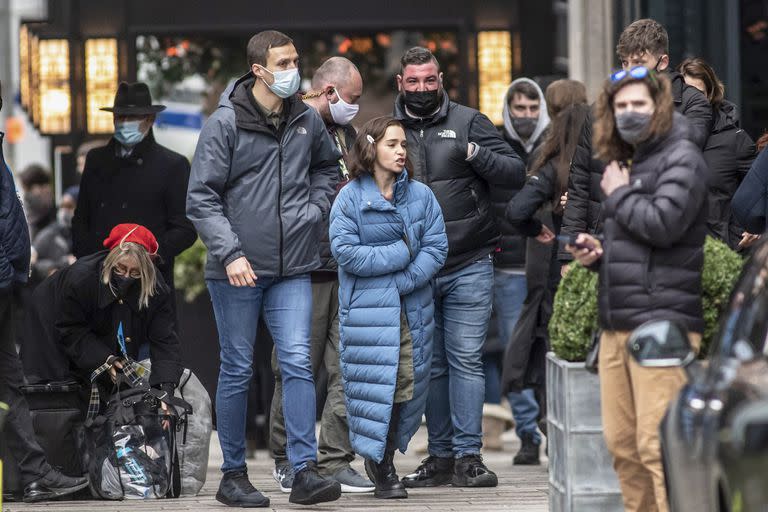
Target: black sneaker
53 485
310 488
469 471
529 452
433 472
235 490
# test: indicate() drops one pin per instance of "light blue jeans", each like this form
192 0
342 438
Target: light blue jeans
509 293
287 307
457 384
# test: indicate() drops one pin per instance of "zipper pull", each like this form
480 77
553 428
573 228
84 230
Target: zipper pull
421 133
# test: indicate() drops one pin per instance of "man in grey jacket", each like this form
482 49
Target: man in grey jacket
262 177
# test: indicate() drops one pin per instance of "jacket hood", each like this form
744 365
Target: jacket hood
247 115
541 125
726 117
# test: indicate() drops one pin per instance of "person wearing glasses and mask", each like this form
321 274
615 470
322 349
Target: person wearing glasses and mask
649 265
263 175
78 309
336 89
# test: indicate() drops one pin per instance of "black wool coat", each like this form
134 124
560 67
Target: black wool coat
73 326
148 188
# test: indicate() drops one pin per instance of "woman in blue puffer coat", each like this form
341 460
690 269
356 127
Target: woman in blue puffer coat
388 237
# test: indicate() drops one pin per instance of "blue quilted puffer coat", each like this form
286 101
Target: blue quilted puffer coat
388 253
14 233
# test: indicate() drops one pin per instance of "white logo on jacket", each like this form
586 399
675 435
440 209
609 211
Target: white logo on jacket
301 130
447 134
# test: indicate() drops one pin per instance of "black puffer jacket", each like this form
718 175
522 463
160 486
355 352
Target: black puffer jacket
437 149
729 153
654 237
583 209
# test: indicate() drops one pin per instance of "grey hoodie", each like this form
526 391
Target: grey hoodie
540 126
259 192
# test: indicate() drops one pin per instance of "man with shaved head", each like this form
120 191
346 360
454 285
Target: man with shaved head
336 89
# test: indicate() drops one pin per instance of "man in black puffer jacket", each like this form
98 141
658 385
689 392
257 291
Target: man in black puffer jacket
643 43
650 266
459 154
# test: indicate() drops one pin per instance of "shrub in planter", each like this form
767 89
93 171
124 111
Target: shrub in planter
188 271
574 315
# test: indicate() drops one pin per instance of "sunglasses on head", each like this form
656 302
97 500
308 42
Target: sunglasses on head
638 72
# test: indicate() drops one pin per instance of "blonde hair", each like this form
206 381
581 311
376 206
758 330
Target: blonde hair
146 269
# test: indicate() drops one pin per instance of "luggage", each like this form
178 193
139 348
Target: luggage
58 412
193 451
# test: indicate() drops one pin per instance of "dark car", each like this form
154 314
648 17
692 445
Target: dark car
715 434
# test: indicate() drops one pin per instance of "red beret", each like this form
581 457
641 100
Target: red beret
132 233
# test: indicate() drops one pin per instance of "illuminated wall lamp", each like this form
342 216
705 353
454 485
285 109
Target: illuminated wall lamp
55 102
100 82
24 65
494 66
34 79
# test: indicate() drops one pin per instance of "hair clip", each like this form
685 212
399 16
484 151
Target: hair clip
370 139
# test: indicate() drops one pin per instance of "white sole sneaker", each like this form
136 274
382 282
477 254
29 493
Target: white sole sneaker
356 490
279 483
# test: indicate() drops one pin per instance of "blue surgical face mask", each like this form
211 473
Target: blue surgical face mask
286 82
128 133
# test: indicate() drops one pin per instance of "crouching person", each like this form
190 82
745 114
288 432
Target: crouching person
388 236
77 312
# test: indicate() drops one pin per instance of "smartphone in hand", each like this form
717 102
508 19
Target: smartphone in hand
571 240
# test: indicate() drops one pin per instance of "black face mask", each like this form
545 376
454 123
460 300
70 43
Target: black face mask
122 284
422 103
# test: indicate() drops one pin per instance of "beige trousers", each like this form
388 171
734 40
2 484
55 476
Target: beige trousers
633 401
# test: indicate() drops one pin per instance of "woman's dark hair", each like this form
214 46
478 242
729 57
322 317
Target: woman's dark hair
699 69
606 142
567 106
363 154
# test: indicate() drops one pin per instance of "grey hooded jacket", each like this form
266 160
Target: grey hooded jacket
261 192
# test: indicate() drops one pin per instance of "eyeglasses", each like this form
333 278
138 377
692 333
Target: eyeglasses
638 73
124 271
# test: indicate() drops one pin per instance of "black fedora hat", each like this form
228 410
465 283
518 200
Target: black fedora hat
133 100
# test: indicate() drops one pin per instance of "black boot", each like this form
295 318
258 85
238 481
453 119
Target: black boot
529 452
383 474
235 490
53 485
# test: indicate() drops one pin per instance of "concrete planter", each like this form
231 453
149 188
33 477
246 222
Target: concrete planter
581 475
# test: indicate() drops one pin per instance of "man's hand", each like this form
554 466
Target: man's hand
240 273
546 236
587 249
614 177
747 240
564 270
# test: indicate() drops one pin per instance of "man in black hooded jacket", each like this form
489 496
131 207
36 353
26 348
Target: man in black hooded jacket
459 154
643 43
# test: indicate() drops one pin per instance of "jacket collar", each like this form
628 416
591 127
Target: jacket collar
139 152
249 117
371 198
678 84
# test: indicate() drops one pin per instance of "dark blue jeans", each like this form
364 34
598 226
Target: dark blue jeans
509 292
287 307
457 385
